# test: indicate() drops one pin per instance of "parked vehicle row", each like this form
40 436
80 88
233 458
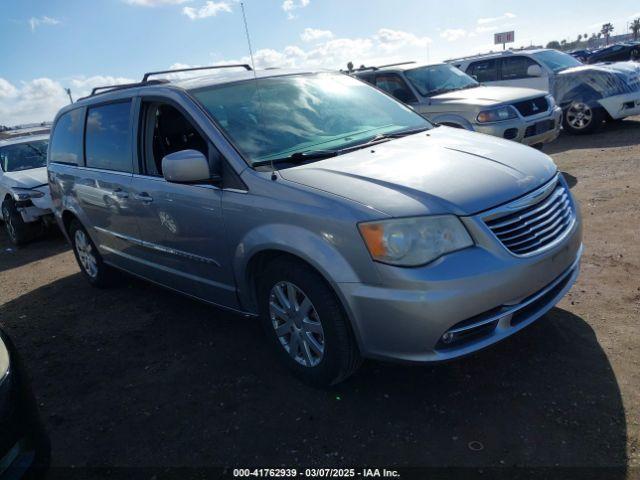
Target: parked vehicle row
446 96
347 222
618 52
587 94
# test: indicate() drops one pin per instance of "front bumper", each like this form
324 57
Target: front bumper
543 128
37 209
621 106
481 294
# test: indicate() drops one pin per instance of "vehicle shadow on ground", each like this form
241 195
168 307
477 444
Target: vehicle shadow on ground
139 376
51 243
610 135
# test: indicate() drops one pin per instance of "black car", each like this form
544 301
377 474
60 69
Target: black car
24 445
620 52
581 55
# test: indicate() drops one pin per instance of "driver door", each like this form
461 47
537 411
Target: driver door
181 225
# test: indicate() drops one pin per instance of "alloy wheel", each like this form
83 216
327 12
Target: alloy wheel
297 324
579 115
85 254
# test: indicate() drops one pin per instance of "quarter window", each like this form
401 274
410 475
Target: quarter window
108 137
66 140
484 71
516 67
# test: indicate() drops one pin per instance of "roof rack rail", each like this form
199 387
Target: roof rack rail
215 67
122 86
363 68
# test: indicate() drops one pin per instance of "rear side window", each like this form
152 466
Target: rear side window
516 67
66 140
108 137
484 70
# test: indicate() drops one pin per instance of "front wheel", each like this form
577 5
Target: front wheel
18 231
580 118
93 268
305 323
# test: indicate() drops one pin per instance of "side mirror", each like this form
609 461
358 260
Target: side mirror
534 71
186 166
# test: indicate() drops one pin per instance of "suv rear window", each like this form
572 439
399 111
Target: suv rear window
108 137
66 140
484 70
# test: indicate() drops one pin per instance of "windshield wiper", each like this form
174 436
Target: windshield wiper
297 157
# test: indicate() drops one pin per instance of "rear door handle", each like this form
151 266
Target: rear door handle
119 193
144 197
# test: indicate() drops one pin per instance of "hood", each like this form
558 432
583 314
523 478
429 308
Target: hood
31 178
486 96
444 170
603 79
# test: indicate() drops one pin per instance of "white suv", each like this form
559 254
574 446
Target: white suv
587 94
24 191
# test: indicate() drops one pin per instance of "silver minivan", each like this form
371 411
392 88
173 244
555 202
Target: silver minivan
347 222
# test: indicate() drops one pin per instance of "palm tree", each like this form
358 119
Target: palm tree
607 28
635 28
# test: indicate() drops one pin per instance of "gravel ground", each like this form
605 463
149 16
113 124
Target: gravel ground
138 376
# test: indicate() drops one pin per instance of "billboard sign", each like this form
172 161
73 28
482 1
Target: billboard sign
504 37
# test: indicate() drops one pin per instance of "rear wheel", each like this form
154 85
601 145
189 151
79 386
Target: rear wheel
580 118
18 231
305 323
97 273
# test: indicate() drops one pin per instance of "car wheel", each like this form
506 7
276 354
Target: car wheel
306 324
18 231
97 273
580 118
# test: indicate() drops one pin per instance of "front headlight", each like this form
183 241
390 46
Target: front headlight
4 360
409 242
551 101
22 194
497 114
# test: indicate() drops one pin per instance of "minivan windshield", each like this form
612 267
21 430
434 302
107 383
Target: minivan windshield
556 60
273 118
24 156
434 79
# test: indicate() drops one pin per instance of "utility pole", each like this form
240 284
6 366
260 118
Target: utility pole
68 90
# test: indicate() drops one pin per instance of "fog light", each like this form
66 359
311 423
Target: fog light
447 337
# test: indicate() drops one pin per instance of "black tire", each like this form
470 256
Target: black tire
104 275
596 119
341 356
18 231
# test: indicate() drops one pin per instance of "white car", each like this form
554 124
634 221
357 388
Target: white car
587 94
24 188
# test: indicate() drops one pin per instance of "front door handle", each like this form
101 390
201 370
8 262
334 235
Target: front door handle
119 193
144 197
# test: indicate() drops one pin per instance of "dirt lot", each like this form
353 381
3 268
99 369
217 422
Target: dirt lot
139 376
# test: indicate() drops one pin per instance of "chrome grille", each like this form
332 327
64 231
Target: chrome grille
528 227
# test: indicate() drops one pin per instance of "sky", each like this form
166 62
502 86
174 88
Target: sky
49 45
